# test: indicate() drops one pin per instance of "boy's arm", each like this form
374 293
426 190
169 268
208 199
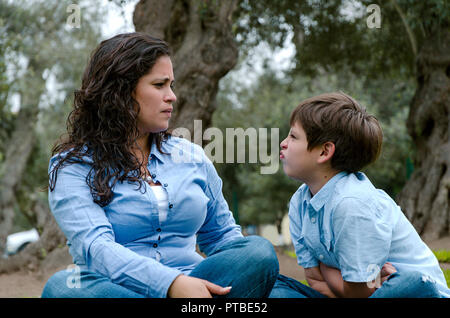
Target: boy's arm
362 238
317 282
357 290
333 278
341 288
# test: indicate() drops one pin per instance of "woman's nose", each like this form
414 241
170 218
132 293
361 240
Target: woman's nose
171 97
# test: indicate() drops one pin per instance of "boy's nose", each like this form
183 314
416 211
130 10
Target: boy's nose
283 144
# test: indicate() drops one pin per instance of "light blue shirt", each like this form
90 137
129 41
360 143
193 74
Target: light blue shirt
126 241
354 227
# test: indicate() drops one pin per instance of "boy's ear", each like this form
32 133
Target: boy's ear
327 152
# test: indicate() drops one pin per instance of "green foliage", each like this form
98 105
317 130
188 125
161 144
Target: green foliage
334 36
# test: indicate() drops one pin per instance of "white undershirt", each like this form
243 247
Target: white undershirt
163 202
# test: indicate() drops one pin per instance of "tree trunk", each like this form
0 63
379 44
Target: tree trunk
425 199
18 151
203 50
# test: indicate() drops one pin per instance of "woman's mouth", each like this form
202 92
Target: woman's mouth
168 112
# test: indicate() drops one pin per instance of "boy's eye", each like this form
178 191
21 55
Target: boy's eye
292 136
172 85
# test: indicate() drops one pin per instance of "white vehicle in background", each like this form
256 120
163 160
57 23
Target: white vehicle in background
17 241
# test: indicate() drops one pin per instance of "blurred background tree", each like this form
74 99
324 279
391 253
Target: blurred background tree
42 62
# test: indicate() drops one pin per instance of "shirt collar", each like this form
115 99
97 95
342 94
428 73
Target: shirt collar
154 152
324 194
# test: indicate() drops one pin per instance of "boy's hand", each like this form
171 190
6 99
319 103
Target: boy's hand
191 287
386 271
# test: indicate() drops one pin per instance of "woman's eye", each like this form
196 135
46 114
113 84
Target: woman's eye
159 84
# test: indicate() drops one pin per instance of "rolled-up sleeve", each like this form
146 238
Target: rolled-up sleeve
219 227
304 257
362 241
92 240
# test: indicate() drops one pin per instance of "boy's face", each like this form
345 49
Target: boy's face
298 162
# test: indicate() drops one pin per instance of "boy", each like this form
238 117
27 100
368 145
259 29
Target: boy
351 238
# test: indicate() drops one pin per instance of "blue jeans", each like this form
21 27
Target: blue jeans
248 264
399 285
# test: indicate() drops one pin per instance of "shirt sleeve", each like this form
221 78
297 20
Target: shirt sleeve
362 240
92 240
304 257
219 227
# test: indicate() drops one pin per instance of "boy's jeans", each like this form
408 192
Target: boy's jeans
248 264
399 285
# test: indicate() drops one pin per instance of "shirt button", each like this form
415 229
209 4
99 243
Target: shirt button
155 245
313 220
165 185
153 176
321 256
170 206
158 230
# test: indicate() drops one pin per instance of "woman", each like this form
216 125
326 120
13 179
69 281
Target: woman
131 213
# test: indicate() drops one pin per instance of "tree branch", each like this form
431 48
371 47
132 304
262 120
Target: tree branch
410 33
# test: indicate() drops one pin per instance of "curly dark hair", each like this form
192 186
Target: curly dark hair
103 122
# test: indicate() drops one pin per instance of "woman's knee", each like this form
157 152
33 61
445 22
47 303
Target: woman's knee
56 285
262 252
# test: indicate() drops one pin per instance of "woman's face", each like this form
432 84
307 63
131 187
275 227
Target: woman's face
155 97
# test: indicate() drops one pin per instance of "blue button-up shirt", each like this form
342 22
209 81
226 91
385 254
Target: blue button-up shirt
125 240
354 227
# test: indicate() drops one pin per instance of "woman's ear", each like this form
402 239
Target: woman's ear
327 152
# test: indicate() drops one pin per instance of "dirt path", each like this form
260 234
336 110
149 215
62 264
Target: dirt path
29 284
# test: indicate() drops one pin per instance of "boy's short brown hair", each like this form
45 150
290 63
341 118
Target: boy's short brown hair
338 118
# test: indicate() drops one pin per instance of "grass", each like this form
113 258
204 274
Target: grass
447 276
291 254
443 256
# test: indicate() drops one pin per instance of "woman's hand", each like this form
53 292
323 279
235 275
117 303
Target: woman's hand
191 287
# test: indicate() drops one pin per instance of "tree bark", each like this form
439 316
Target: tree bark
199 33
425 198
